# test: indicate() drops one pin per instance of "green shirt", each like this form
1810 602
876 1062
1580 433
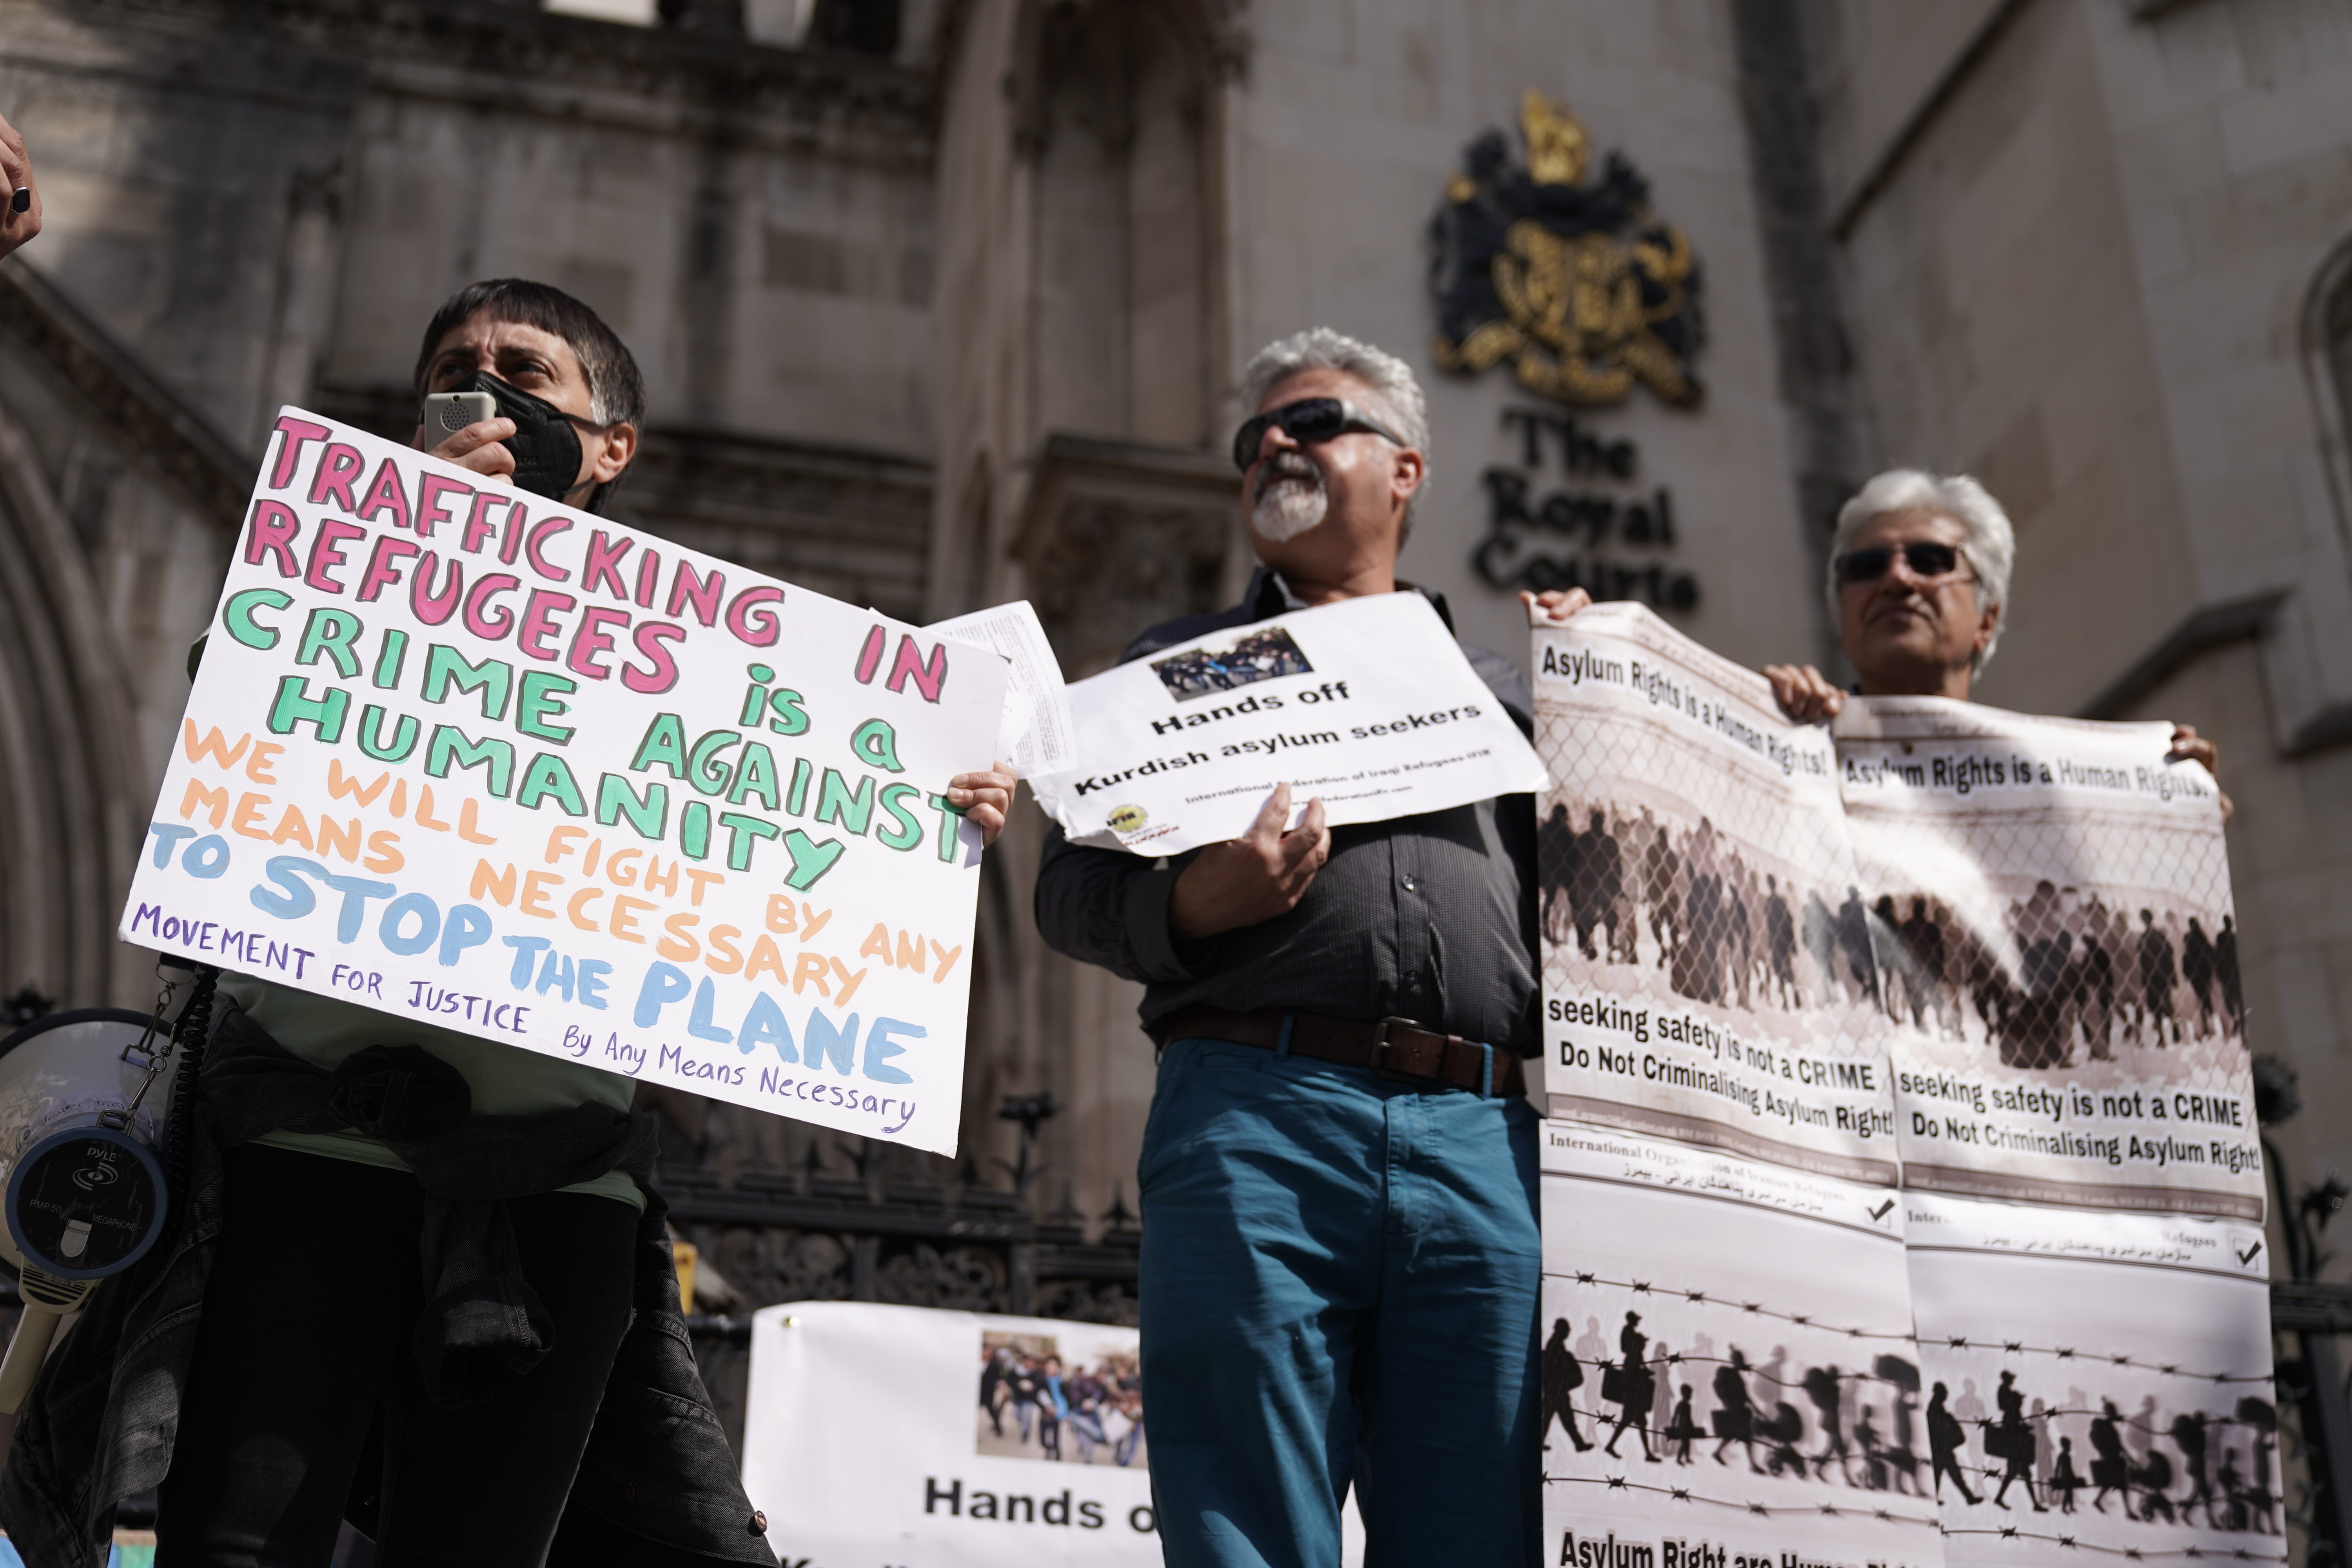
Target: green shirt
506 1080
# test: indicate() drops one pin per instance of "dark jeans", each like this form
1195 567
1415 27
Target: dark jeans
1340 1278
305 1340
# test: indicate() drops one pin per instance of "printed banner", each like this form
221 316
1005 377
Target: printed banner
1707 970
1369 703
2052 904
1728 1372
930 1439
2098 1383
2015 936
463 756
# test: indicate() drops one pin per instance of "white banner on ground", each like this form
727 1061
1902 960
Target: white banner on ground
2098 1383
2051 900
1707 971
932 1439
1369 703
463 756
1729 1371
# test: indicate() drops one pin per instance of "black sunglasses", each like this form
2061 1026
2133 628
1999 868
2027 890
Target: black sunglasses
1309 420
1925 560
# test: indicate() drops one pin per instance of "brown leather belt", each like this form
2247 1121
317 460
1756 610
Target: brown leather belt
1393 1047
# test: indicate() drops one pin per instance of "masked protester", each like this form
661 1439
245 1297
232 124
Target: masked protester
421 1282
570 402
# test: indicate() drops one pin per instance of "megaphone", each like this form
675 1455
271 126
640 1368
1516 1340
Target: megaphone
83 1100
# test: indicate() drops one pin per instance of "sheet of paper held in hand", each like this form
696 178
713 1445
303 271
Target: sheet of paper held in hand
1369 703
463 756
1036 736
1707 967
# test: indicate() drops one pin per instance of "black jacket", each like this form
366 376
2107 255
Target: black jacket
657 1487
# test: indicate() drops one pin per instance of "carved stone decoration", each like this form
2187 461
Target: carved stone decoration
776 1265
1581 286
958 1278
1120 534
1080 1302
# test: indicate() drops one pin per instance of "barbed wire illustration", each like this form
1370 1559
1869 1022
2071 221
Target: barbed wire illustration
2073 1352
1866 1420
2133 1553
1748 1308
1747 1505
1753 1309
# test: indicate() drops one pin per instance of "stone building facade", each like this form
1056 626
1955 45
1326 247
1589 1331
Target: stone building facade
944 304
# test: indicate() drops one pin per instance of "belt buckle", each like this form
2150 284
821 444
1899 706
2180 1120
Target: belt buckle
1380 1067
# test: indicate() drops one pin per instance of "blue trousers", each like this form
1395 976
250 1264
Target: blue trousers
1339 1277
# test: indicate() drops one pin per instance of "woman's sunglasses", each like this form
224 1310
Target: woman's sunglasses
1925 560
1307 421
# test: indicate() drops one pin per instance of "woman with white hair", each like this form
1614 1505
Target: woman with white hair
1918 584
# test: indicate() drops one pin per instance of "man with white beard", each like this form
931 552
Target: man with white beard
1341 1253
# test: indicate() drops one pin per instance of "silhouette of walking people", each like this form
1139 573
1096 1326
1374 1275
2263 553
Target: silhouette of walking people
1635 1386
1945 1438
1735 1417
2015 1443
1820 1387
2063 1482
1681 1428
2110 1471
1563 1374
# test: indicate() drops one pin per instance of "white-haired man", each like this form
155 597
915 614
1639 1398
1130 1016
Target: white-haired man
1919 586
1339 1267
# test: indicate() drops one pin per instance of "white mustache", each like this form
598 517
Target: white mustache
1290 498
1286 466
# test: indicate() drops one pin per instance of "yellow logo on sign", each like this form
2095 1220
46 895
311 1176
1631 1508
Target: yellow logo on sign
1127 819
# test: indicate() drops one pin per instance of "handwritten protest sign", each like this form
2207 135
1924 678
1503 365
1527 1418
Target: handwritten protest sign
1369 703
462 756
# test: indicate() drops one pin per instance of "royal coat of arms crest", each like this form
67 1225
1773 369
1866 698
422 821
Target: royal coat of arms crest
1580 286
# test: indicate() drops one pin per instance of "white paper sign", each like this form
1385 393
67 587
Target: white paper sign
1728 1369
1038 737
929 1439
2099 1383
1368 703
463 756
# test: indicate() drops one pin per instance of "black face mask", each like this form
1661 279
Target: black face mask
545 446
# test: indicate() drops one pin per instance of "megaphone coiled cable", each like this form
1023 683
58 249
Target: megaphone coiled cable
188 1037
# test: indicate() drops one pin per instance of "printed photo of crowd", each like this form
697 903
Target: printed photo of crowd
2061 977
1034 1405
1205 671
1631 887
2056 976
